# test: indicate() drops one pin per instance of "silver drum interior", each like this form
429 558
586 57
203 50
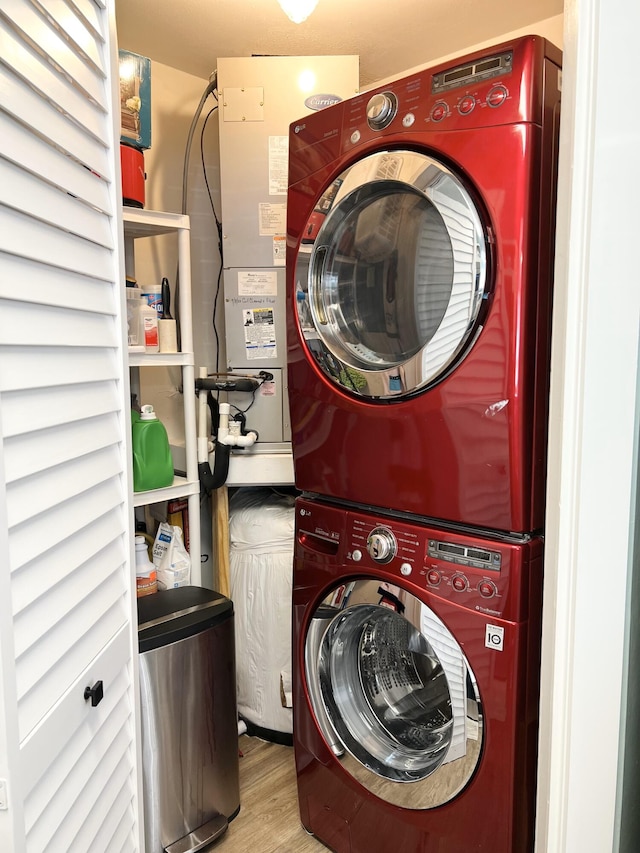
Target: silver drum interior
394 697
389 290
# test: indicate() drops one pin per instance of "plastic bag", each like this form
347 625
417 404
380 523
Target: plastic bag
171 558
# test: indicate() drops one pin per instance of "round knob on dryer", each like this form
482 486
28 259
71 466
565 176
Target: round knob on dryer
381 545
381 109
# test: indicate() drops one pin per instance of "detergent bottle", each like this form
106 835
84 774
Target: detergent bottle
152 461
146 575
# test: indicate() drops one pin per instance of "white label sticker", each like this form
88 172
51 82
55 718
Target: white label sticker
278 165
272 219
494 637
257 283
279 251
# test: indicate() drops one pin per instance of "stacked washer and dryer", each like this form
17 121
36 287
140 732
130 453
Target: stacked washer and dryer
420 253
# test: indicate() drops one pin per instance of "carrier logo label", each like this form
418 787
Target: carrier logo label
319 102
494 637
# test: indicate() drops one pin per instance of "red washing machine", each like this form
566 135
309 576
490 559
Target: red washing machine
416 662
419 264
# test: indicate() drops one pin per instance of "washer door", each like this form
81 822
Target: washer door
390 275
394 695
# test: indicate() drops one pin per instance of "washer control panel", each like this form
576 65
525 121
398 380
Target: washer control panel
465 555
485 575
382 545
470 571
489 576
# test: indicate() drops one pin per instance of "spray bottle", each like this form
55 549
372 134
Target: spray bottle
146 576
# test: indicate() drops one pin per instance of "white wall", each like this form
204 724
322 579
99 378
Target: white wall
549 28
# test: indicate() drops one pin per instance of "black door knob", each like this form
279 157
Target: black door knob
94 693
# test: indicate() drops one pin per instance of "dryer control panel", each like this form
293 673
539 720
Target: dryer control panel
475 71
483 90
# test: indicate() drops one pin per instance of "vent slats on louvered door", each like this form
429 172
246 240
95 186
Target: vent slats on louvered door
62 400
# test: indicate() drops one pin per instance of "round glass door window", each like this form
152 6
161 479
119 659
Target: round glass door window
394 697
390 275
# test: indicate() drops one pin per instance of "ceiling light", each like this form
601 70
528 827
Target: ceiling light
298 10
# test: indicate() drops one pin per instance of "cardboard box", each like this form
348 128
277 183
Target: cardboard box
135 99
178 516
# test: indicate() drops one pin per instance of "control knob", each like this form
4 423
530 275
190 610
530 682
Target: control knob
381 545
381 109
497 96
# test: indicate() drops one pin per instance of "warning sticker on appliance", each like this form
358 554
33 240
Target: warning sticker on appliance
272 219
278 165
257 283
279 251
259 333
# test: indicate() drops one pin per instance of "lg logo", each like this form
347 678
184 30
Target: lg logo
494 637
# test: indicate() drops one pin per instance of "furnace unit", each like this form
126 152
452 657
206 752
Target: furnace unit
259 98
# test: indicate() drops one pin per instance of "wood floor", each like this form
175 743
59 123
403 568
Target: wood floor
268 821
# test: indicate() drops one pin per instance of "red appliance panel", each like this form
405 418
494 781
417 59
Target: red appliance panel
462 451
495 811
471 449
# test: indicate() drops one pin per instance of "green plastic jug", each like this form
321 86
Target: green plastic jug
152 462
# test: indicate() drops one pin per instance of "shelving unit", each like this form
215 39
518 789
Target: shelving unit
139 224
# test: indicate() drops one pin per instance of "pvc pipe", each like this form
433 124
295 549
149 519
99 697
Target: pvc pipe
227 437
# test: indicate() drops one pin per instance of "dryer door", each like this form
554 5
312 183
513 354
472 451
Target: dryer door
390 275
394 696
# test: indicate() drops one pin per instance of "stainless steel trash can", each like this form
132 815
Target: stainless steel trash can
189 719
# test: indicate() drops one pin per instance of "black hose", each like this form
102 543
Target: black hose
185 168
210 481
210 89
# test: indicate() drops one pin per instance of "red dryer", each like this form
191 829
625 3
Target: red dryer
419 265
416 674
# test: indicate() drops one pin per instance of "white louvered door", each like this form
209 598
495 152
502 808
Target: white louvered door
66 591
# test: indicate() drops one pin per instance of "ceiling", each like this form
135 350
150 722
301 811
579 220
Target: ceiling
389 37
